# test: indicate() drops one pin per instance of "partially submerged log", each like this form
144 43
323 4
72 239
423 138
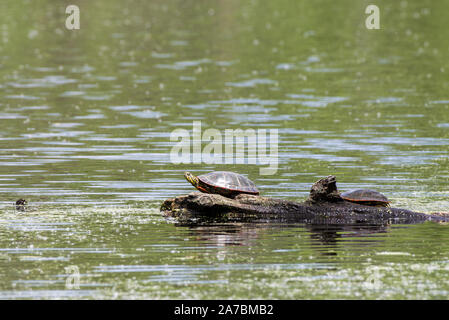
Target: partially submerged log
324 206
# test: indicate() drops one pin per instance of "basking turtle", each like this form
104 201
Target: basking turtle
366 197
228 184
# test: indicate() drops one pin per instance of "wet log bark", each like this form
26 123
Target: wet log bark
324 206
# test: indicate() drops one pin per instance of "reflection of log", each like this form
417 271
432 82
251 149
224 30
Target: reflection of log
324 206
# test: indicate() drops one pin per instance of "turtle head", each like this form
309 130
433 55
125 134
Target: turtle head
191 178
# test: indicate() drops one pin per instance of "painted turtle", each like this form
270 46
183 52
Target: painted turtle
228 184
366 197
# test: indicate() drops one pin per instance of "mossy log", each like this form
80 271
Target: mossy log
324 206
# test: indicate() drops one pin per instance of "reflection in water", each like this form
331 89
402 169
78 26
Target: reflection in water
230 234
332 236
135 253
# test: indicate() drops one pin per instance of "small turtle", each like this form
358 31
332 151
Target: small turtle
366 197
228 184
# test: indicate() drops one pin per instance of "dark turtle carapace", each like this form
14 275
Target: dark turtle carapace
228 184
366 197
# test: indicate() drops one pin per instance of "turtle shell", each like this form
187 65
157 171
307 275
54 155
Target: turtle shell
365 196
225 182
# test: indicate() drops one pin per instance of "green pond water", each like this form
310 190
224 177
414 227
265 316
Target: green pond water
86 118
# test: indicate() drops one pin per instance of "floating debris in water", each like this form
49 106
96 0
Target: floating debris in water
21 205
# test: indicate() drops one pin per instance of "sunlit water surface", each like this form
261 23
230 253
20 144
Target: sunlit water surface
86 118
